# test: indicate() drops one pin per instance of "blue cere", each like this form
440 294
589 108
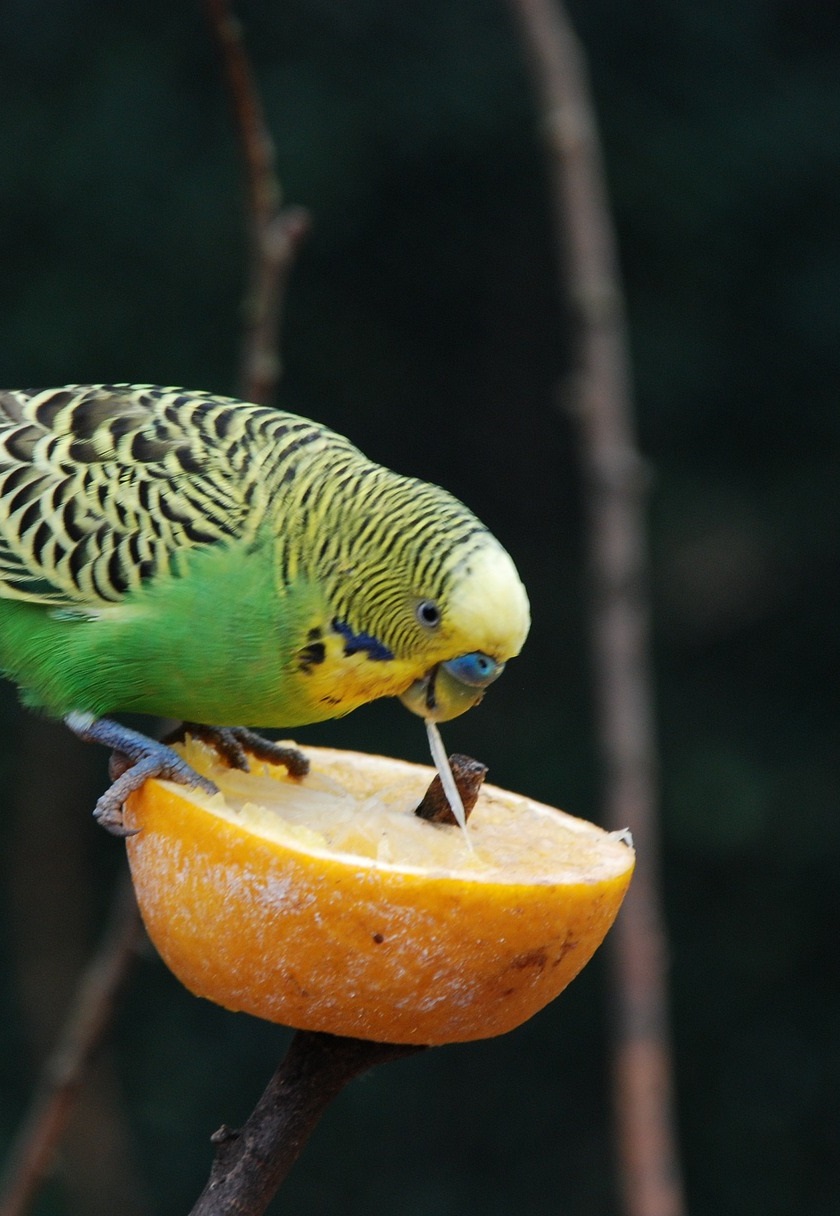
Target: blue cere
355 642
476 669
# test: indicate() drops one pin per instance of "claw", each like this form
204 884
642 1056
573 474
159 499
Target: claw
135 759
118 762
235 743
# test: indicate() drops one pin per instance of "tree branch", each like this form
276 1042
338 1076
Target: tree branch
250 1164
600 397
67 1067
275 233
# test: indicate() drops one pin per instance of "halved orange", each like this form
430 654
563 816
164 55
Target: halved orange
328 905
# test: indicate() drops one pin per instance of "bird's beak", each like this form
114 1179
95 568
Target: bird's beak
450 689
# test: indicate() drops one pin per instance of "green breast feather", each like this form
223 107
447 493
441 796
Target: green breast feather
197 557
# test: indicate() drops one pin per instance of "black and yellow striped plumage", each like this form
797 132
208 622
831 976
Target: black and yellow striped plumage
189 555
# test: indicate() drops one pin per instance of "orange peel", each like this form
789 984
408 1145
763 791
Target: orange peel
328 905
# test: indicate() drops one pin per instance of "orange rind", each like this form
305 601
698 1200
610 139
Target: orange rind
326 904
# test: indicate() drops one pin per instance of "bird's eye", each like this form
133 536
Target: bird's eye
428 613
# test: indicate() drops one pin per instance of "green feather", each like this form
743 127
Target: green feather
212 645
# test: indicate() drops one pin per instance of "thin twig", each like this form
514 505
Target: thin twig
274 236
251 1163
601 399
67 1067
469 775
274 232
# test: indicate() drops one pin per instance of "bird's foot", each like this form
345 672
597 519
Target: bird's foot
135 758
236 743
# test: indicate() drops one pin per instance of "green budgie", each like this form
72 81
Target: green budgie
196 557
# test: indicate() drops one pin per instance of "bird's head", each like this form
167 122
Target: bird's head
423 601
482 621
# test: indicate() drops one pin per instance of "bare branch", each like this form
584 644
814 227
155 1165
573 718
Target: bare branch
68 1066
274 232
469 775
601 398
251 1163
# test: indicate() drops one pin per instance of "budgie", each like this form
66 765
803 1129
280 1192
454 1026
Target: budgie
196 557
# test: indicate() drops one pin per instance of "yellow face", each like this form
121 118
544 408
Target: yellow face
484 623
461 644
488 608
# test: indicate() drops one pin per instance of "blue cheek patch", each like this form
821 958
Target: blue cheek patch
354 643
476 669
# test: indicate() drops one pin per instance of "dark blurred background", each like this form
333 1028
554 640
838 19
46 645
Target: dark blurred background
424 321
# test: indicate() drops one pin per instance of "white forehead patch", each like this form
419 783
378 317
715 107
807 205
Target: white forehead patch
489 605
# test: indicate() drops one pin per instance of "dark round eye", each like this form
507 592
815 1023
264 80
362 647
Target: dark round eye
428 613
